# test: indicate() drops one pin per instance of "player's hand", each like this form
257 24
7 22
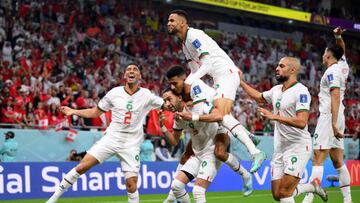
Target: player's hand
187 115
339 31
162 118
338 135
67 111
266 113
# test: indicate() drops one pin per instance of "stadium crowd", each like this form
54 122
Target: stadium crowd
62 53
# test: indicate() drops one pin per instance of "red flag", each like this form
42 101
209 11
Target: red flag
43 124
59 125
70 137
153 125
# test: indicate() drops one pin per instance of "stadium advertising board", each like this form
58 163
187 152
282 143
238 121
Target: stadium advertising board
259 8
354 170
39 180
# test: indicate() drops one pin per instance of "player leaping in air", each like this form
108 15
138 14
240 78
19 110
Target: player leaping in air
205 57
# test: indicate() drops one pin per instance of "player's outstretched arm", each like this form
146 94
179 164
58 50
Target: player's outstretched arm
339 40
213 116
85 113
253 93
299 121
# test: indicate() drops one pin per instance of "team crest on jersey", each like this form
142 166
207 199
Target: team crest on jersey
197 90
196 43
303 98
330 77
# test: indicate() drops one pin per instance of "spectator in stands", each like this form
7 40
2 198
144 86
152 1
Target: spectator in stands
74 156
162 152
9 148
147 150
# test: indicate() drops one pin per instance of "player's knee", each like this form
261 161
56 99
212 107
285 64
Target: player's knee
177 185
337 163
81 168
284 192
131 186
220 153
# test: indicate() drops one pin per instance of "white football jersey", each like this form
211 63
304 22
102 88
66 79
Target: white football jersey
202 133
197 42
286 104
128 113
334 77
200 91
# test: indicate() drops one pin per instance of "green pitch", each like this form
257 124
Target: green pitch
211 197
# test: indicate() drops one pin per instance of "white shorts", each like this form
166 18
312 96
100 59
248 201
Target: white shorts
290 161
107 147
204 167
324 135
226 86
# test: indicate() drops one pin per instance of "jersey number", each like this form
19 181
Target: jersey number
127 117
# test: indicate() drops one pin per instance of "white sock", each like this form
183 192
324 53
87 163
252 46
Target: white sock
317 172
199 194
171 197
287 200
69 179
233 163
180 193
344 179
239 132
133 197
303 188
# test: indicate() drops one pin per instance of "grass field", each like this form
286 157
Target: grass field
211 197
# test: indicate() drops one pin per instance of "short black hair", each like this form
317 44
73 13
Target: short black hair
175 71
181 13
168 89
336 50
133 64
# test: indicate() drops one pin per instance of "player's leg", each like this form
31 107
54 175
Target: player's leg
199 190
184 176
287 187
208 169
336 155
223 101
321 150
222 142
185 156
130 165
98 153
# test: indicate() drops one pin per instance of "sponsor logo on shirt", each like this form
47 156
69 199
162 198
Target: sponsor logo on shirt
196 43
330 77
197 90
303 98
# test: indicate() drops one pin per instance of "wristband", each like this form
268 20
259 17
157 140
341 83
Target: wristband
195 117
337 36
163 129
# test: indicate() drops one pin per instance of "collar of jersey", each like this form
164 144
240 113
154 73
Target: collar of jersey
290 86
186 34
132 93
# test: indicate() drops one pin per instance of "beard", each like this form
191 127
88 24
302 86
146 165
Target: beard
281 79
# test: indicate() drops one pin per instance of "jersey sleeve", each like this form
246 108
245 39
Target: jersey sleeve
198 41
334 79
105 103
303 100
267 95
197 93
155 101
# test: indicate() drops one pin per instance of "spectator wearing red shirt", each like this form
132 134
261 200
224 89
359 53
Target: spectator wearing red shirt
40 112
7 113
